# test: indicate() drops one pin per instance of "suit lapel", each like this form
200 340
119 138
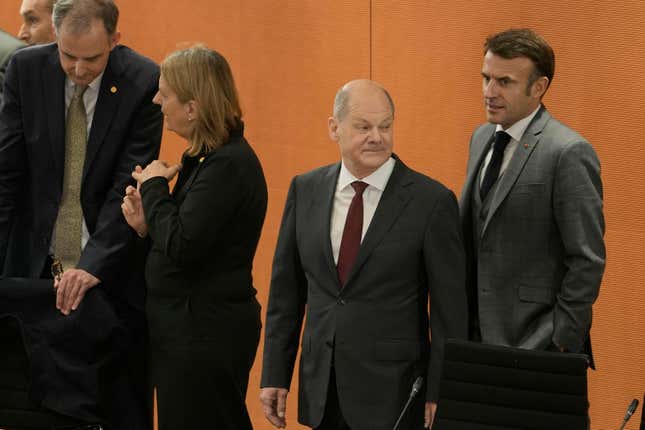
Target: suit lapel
191 168
325 201
54 98
476 159
106 107
524 150
394 199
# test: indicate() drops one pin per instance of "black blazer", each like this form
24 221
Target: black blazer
8 44
376 327
204 238
126 131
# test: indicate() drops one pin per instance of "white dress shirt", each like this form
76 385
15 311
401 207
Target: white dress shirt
90 98
516 131
345 193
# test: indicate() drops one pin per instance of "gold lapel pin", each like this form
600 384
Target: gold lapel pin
113 90
201 159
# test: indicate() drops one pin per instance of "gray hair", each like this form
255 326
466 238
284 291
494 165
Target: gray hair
342 100
79 14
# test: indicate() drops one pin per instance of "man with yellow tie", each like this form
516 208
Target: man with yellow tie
78 115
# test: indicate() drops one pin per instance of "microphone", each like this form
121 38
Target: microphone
416 387
630 411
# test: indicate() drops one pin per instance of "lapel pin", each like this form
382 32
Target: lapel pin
201 159
113 90
526 145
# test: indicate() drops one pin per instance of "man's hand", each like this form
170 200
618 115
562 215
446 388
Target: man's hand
274 404
71 289
431 409
155 169
133 210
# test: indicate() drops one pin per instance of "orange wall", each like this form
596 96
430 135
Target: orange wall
289 57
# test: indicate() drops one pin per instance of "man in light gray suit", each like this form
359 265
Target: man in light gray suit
531 209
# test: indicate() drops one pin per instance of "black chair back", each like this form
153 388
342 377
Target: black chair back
486 387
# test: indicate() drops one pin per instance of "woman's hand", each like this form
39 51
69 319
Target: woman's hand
155 169
133 210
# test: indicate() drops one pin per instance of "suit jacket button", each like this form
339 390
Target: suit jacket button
341 302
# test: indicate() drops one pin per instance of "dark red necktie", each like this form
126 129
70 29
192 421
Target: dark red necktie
351 240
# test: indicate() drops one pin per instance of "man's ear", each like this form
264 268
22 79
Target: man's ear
539 87
114 39
332 125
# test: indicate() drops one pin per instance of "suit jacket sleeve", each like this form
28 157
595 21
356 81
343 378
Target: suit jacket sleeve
8 45
287 299
578 205
12 156
183 231
103 253
220 191
445 268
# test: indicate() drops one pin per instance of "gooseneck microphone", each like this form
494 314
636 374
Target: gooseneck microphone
630 411
416 387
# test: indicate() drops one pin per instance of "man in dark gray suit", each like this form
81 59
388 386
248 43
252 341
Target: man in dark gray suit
8 45
363 244
531 209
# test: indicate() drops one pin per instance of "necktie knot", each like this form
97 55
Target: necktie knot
79 90
359 186
502 139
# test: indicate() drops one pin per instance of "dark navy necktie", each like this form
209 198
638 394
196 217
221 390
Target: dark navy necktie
492 171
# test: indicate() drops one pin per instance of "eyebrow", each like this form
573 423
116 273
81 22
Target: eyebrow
364 121
497 78
93 57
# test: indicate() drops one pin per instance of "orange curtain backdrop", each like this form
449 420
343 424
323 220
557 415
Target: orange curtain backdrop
290 56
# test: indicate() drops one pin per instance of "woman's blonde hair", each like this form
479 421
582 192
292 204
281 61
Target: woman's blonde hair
203 75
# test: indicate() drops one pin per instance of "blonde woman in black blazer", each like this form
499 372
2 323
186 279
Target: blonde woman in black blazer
203 317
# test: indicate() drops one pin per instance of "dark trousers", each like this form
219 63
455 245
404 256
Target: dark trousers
333 417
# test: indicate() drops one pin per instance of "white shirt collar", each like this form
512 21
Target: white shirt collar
517 130
377 179
94 85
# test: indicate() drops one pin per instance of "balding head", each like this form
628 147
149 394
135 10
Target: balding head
362 125
77 15
343 99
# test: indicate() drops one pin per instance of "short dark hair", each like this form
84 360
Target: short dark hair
81 13
524 42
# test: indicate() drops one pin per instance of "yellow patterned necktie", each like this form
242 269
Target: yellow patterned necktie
69 224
